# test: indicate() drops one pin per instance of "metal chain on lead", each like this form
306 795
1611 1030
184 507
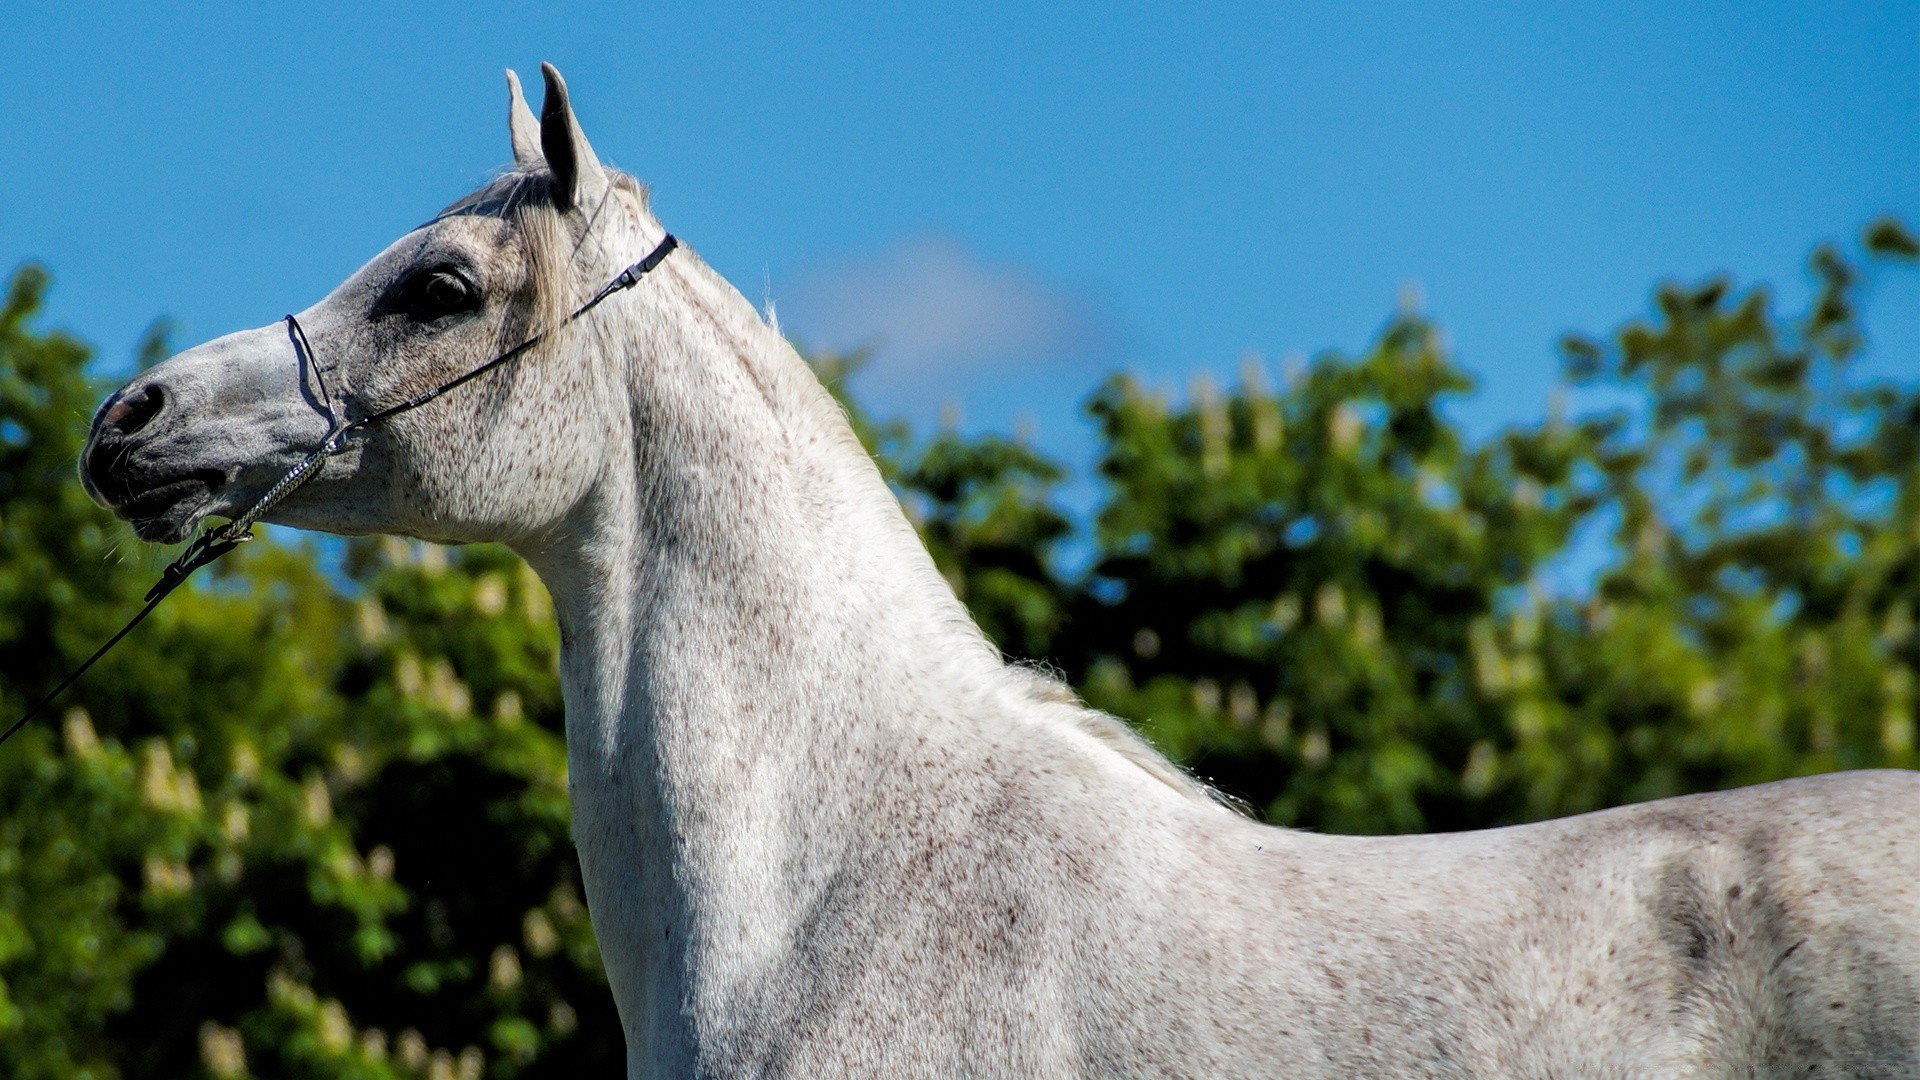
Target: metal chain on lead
212 543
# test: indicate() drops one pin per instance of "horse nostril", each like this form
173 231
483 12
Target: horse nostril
136 410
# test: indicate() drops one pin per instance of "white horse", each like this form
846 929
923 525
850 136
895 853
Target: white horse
826 831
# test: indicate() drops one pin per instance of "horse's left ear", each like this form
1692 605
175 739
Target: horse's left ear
522 128
578 179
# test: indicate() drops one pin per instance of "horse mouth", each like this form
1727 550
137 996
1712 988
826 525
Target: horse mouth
166 512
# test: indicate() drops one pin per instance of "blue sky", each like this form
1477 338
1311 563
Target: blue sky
1009 200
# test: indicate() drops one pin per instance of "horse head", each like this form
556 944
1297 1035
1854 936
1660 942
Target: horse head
210 430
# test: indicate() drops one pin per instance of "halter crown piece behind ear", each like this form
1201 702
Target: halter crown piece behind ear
522 128
578 179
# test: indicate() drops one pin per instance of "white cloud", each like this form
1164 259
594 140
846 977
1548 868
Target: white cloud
932 310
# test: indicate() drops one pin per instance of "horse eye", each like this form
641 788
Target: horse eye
436 294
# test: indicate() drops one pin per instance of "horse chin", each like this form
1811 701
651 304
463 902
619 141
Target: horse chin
167 514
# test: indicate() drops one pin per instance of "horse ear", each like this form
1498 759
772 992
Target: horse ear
522 128
578 179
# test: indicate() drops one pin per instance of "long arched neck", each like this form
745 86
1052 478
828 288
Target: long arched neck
751 634
740 529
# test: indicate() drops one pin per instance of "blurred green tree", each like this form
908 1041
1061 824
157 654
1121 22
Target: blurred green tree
1326 601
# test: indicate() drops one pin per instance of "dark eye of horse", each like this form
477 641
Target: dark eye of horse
435 294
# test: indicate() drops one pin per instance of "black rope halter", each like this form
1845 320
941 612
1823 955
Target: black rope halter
212 543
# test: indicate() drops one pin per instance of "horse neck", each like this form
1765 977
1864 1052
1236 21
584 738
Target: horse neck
749 524
748 624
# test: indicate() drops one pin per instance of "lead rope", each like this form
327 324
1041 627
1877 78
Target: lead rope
212 543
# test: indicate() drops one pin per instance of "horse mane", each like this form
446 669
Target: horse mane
1059 704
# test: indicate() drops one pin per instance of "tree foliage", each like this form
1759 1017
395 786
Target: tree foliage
311 820
1327 600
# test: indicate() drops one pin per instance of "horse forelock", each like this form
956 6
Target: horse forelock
550 244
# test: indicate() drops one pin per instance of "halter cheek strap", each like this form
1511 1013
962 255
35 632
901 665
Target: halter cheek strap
326 376
330 381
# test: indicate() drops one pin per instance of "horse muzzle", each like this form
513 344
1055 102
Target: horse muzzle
132 466
201 433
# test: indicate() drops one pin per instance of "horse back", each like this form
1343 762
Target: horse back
1788 917
1767 931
